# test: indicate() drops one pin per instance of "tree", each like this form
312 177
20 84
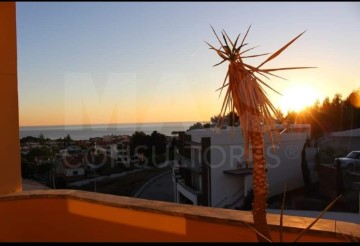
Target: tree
245 96
42 139
36 153
28 169
352 103
139 142
329 115
158 141
29 139
231 119
197 125
67 140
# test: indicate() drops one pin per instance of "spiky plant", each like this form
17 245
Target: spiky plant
302 233
245 96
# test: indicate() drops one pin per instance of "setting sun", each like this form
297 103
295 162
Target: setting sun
297 97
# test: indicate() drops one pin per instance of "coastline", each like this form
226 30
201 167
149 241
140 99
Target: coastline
76 126
84 132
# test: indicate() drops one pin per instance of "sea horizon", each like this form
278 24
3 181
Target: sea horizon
86 131
109 124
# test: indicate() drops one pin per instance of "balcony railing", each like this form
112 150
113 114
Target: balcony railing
188 192
193 165
184 162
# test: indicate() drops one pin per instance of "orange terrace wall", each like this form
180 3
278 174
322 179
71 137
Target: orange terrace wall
10 176
78 216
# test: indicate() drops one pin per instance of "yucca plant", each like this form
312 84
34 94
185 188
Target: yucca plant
302 233
246 96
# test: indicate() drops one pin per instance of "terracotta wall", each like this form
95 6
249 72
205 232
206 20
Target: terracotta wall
72 220
10 174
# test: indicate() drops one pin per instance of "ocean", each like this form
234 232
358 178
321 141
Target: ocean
84 132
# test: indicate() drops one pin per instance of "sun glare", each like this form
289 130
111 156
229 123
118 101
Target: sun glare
297 97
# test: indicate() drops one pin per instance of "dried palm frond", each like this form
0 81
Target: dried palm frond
302 233
317 218
244 92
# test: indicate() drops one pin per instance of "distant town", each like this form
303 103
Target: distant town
314 142
60 162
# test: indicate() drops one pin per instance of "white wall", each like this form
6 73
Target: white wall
225 188
284 165
227 149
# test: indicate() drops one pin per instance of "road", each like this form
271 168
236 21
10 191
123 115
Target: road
160 188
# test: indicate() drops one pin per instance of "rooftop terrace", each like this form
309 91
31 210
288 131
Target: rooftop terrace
74 216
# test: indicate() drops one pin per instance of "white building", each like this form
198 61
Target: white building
119 152
212 171
70 167
347 140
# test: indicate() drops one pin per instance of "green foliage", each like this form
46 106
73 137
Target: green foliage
160 158
67 140
199 125
38 153
44 168
28 169
230 119
154 146
42 139
158 142
337 114
29 139
138 142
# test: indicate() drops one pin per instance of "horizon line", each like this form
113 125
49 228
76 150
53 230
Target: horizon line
92 124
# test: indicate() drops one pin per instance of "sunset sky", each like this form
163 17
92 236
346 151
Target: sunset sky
123 62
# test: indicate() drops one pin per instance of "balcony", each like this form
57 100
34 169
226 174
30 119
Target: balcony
78 216
188 192
192 165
